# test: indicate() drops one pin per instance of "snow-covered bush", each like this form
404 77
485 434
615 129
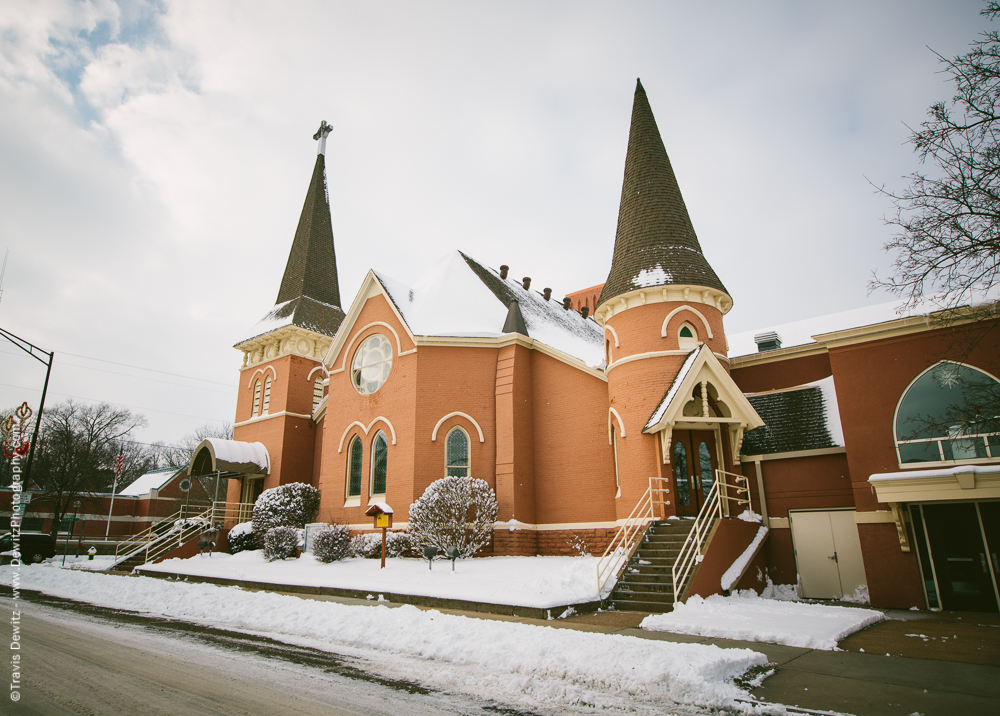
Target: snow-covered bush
241 538
454 512
332 543
369 546
290 505
280 543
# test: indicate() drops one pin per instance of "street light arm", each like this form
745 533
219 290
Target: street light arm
27 347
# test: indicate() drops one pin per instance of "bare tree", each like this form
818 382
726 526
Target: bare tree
76 453
948 219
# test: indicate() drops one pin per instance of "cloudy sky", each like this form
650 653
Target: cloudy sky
154 157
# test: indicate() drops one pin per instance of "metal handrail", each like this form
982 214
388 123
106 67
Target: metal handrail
224 513
716 502
158 532
188 528
626 540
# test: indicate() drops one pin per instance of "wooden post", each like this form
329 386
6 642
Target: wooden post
383 548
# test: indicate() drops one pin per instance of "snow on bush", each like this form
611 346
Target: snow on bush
454 512
332 544
369 546
241 538
290 505
280 543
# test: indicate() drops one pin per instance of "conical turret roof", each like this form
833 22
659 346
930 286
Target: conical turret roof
655 244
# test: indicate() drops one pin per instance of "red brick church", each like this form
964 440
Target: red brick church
852 435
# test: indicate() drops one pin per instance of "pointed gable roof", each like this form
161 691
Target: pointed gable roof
655 244
309 296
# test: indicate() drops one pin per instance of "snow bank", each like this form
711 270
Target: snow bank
553 665
747 617
541 582
737 568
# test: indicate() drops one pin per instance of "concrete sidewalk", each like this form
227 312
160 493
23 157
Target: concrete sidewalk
927 663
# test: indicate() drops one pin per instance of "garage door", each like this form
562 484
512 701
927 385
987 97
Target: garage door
827 553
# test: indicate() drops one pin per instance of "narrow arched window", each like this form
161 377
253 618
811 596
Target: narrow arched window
457 454
687 337
705 468
354 462
380 459
681 480
950 413
256 399
267 396
317 392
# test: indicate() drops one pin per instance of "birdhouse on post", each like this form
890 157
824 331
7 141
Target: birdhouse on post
382 515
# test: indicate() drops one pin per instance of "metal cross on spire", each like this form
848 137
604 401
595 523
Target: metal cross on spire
324 129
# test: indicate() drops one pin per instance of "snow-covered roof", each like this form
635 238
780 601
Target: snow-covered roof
460 297
797 333
302 311
152 480
229 456
806 417
977 470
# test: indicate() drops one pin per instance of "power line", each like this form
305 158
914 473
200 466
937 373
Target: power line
111 402
139 367
138 377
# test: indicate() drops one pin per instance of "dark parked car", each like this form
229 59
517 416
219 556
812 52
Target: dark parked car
35 546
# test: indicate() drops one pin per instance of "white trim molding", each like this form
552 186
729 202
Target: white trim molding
268 416
695 311
365 430
262 371
621 424
662 294
657 354
460 414
613 332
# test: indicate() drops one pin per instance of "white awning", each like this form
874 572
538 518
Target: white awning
963 482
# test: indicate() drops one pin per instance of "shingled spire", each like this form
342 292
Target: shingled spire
309 296
655 244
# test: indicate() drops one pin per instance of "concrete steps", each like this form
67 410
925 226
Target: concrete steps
647 584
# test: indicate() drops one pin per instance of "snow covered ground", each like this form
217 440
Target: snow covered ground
532 666
747 617
541 582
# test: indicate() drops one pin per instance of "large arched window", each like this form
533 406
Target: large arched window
950 413
380 463
354 462
457 454
371 365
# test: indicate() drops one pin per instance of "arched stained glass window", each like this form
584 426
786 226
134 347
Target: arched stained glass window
354 462
951 412
705 468
681 480
457 454
380 459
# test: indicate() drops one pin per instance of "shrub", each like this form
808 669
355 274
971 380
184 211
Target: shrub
331 544
241 538
280 543
290 505
369 546
454 512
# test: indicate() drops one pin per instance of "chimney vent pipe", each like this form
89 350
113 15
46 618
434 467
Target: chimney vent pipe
526 282
503 270
547 293
584 311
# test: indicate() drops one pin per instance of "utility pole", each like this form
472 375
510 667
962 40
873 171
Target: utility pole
30 349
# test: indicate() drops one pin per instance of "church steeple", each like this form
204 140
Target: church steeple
309 295
312 263
655 244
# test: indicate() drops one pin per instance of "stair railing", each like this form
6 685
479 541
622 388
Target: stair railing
716 502
228 514
182 531
158 532
626 540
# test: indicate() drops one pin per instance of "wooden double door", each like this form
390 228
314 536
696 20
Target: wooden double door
694 458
